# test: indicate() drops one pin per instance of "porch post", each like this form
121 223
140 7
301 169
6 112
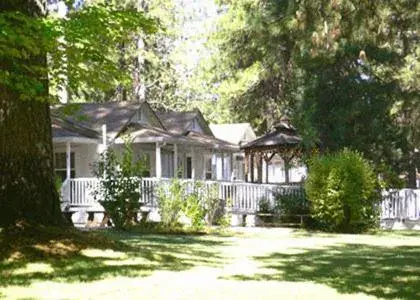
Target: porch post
246 166
158 161
231 167
192 162
223 165
252 167
213 165
68 161
175 160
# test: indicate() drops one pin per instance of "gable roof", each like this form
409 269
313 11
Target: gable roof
115 115
63 130
180 122
282 135
210 141
235 133
93 115
83 122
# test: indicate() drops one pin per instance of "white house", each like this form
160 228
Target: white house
173 142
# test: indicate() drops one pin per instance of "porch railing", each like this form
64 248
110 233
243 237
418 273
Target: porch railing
401 204
243 197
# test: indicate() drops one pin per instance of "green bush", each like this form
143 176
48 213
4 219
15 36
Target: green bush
198 202
214 206
119 190
342 192
170 202
193 206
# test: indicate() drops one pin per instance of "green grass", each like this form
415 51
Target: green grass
44 263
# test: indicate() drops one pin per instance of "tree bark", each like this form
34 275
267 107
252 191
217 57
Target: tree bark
27 187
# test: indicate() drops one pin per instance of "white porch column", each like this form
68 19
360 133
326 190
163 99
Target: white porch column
68 161
158 161
176 160
222 155
193 162
232 175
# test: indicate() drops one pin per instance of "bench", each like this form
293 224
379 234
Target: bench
90 210
274 215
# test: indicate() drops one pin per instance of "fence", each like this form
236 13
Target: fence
401 204
244 197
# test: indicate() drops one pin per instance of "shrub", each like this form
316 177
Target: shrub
214 206
341 189
119 189
170 202
223 215
265 207
193 206
200 203
290 204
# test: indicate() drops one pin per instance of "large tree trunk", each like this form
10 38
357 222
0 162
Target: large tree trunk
27 189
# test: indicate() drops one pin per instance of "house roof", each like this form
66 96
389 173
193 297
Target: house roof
283 135
85 120
209 141
93 115
179 122
143 133
63 131
236 133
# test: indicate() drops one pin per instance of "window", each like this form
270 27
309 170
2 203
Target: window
145 158
189 167
60 165
209 172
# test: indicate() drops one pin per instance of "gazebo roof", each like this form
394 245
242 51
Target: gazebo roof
283 135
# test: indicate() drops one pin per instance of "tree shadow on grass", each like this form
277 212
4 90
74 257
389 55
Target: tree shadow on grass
349 268
72 256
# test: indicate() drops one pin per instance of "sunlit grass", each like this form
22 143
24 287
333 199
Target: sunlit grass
250 264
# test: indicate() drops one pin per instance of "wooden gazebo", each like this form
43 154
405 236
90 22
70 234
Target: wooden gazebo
283 140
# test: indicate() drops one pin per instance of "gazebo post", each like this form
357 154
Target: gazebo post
286 170
259 167
266 171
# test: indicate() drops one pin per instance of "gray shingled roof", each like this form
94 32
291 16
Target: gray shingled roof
93 115
147 133
179 122
86 120
282 135
211 142
64 129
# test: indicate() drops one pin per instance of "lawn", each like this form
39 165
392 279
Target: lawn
248 264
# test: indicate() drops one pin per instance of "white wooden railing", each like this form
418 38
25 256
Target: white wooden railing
243 197
401 204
